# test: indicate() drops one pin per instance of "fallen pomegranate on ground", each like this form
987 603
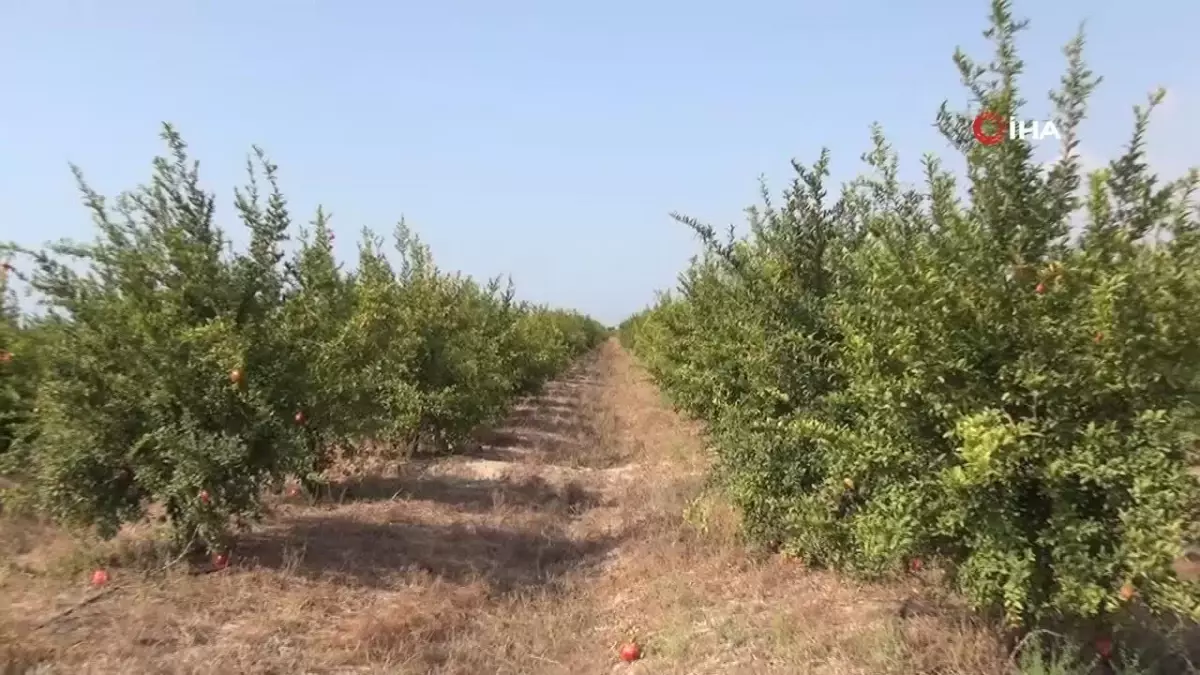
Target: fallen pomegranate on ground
99 577
631 652
220 561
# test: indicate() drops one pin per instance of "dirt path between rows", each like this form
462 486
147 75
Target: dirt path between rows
578 523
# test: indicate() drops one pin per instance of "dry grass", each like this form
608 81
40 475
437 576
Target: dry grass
579 523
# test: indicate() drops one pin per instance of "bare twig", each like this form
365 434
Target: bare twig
77 606
1012 656
112 589
186 549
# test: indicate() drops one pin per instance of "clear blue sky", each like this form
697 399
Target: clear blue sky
545 139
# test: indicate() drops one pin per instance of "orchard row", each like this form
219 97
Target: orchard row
899 375
168 370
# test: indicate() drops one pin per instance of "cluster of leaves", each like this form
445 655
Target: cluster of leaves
1004 382
168 369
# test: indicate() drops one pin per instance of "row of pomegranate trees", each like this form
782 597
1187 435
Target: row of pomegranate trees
168 369
901 374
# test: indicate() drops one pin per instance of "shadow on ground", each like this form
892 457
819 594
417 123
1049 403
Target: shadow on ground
467 494
379 555
540 421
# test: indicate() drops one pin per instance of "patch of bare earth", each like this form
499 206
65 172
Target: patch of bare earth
580 522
